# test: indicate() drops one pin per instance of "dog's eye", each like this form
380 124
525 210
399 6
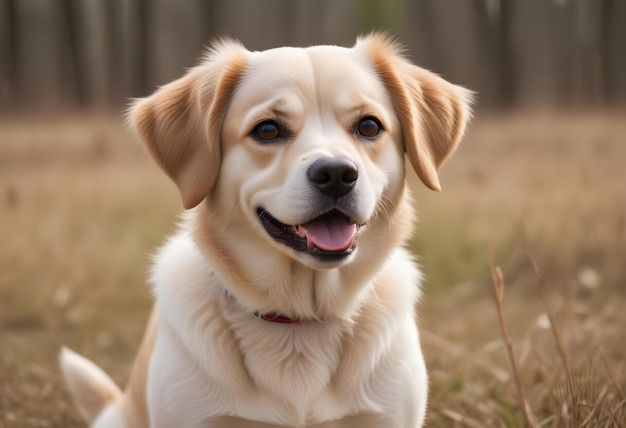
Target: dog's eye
368 127
266 130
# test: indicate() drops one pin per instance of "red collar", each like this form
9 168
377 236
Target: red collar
275 317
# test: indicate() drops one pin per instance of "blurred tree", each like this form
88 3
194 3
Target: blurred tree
607 13
9 53
113 30
71 16
424 29
513 52
496 38
140 20
208 12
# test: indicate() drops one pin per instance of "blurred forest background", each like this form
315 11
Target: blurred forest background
98 53
542 171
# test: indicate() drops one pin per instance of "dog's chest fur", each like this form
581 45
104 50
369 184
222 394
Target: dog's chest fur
294 374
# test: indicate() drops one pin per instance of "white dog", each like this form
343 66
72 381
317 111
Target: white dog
287 298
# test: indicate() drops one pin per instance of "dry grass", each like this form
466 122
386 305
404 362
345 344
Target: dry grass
497 280
81 207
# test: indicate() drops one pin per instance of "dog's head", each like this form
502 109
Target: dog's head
300 152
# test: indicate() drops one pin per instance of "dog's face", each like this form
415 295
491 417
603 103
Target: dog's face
311 149
297 155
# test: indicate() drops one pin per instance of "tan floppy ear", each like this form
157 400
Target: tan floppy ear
433 113
180 123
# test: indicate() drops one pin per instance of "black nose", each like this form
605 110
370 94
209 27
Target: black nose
333 177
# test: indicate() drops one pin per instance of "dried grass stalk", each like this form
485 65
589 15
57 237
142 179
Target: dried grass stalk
541 285
497 280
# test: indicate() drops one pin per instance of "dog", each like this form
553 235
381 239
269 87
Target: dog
287 298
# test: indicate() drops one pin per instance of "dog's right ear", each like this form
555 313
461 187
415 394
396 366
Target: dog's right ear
180 123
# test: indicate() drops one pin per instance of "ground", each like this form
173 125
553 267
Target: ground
82 207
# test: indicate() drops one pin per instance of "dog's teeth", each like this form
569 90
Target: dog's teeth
298 231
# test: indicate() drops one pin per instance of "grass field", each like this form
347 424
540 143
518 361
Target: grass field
82 207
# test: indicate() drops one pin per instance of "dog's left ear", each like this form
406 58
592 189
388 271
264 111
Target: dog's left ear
180 124
433 112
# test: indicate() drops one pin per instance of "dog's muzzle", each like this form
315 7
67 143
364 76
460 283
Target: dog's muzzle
330 236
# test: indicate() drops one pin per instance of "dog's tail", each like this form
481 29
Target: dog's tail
91 389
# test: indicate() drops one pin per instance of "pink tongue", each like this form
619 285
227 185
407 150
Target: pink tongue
330 232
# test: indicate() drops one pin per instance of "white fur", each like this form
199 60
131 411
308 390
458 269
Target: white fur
204 333
86 379
208 359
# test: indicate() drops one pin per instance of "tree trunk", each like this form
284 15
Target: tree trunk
9 56
70 16
607 82
505 55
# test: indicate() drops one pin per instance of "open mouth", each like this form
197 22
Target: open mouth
329 237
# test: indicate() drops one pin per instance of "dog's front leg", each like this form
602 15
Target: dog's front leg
175 395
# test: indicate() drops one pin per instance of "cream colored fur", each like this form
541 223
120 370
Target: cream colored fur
209 360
